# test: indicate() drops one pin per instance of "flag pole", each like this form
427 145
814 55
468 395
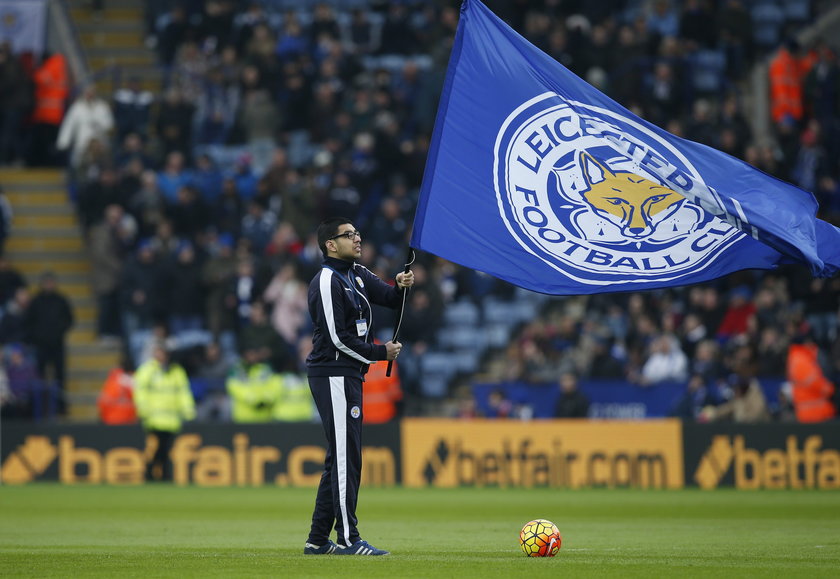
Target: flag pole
409 260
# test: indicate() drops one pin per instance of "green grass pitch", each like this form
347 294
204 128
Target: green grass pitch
48 530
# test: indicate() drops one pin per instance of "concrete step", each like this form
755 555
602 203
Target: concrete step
70 231
42 221
61 267
145 59
103 360
84 14
85 390
86 375
110 25
51 197
107 86
81 335
83 314
65 244
10 176
108 39
116 52
83 412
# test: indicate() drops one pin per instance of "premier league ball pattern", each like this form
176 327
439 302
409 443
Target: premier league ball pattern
540 538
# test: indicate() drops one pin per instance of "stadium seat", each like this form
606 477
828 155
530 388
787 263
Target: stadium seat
797 10
463 337
496 335
707 71
767 18
444 364
434 386
461 313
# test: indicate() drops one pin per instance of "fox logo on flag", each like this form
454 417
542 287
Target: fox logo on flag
537 178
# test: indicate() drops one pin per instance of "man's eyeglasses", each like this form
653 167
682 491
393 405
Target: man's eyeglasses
348 234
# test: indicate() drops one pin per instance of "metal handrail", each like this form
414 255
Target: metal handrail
68 40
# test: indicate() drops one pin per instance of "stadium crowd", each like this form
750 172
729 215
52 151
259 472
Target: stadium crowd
199 203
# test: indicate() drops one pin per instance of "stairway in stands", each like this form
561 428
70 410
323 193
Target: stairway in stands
46 237
113 44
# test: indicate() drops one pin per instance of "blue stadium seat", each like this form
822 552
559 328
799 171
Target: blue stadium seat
707 70
797 10
461 313
444 364
467 336
767 18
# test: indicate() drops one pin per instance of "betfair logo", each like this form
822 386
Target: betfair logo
29 461
793 467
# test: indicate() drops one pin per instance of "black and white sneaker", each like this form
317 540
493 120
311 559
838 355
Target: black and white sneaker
328 549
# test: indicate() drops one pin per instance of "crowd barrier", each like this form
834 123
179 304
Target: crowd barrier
611 399
652 454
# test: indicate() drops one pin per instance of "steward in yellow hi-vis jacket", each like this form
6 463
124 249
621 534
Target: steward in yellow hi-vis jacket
296 402
164 400
254 389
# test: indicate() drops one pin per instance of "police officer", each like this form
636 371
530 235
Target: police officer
340 298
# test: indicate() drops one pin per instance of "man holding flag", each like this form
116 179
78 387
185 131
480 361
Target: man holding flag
340 298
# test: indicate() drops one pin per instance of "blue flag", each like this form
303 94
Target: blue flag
539 179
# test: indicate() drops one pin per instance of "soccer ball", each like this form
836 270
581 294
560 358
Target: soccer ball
540 538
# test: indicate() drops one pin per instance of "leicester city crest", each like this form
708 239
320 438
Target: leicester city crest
598 196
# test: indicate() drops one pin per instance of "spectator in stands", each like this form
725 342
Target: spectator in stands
163 399
16 94
132 106
189 214
738 314
260 338
217 275
116 400
13 328
746 405
88 118
213 372
572 403
11 280
499 405
142 289
216 107
7 399
174 122
812 391
186 292
698 395
6 215
48 319
785 410
110 242
286 294
258 225
666 363
173 176
23 382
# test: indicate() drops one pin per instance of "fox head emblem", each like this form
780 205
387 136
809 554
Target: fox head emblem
634 204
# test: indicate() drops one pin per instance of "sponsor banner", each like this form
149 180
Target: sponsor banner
768 456
205 455
542 453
